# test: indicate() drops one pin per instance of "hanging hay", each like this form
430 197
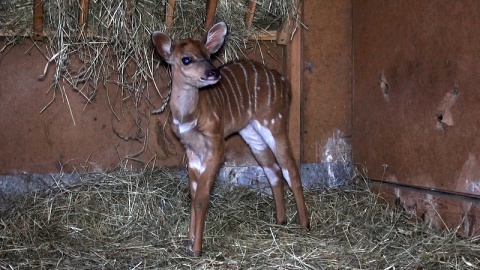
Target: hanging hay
117 41
131 220
116 48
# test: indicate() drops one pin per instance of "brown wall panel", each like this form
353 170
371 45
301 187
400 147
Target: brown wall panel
326 111
415 106
416 99
51 142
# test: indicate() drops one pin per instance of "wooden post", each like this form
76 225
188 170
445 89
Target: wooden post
83 16
285 32
211 9
169 15
252 5
294 71
37 20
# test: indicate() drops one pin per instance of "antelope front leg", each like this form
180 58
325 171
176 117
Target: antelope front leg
202 177
193 187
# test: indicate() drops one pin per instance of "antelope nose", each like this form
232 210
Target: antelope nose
213 73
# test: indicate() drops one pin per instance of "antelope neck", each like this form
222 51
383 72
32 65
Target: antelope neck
183 101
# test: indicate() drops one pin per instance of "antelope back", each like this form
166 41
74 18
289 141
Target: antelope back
248 91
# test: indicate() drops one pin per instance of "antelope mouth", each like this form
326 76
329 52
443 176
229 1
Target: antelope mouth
210 80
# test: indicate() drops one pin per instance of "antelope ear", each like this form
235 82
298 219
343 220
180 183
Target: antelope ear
163 44
216 37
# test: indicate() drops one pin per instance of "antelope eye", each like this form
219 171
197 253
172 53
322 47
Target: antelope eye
186 61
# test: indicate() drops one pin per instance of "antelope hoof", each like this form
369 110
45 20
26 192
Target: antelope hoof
192 252
189 243
197 253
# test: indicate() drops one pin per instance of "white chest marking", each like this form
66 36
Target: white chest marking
184 127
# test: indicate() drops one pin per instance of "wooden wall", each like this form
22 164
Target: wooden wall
71 135
416 101
326 96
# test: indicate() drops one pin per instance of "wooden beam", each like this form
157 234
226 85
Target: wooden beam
252 5
266 36
285 32
83 16
211 10
294 72
37 20
169 15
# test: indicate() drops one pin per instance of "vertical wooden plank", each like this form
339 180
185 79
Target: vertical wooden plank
284 33
83 16
211 9
169 16
37 20
252 5
294 72
327 82
130 11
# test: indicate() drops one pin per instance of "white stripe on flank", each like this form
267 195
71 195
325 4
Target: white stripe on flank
220 94
274 88
232 89
216 96
227 101
216 99
268 86
215 114
208 98
246 85
282 87
255 86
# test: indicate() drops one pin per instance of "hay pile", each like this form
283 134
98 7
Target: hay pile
132 220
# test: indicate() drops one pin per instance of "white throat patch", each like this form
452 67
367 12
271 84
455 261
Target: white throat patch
184 127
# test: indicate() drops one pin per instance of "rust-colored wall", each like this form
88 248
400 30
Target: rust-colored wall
50 142
416 99
326 112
